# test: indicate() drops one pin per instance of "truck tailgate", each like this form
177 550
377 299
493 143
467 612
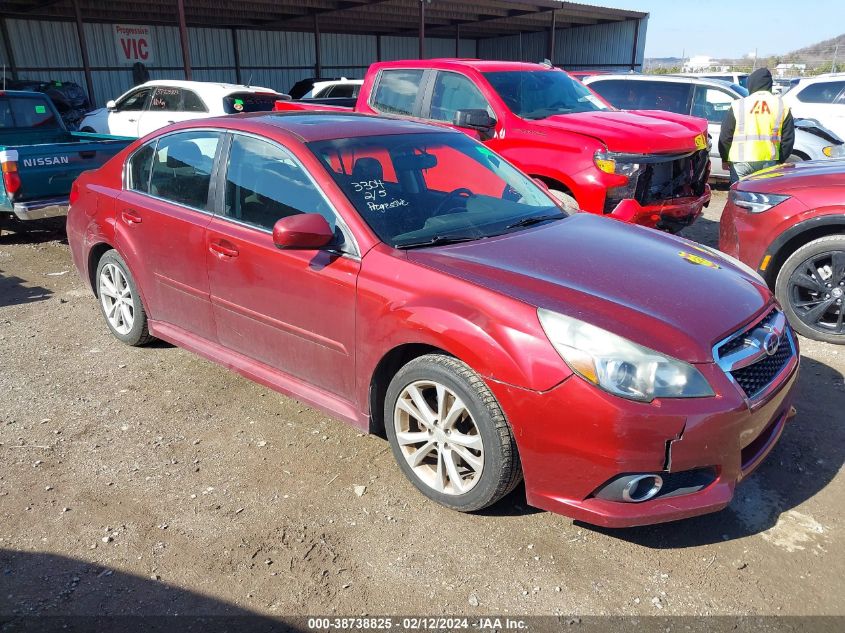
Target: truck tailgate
48 169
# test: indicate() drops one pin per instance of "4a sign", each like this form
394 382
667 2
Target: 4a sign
134 43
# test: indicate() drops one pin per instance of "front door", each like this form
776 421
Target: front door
161 221
124 119
291 310
713 104
170 105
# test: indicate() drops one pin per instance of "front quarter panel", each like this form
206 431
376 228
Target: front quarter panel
401 302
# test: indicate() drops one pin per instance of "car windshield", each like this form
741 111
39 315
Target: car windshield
250 102
537 94
419 190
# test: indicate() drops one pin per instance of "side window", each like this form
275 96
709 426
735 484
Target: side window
821 92
139 167
166 99
192 102
711 104
342 90
645 95
182 167
397 91
134 101
453 92
264 184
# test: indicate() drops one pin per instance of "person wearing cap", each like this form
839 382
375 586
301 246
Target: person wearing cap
758 130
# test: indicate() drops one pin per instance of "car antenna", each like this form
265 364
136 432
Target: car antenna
547 63
249 81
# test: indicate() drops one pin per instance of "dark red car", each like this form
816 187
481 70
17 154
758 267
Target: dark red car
789 224
405 278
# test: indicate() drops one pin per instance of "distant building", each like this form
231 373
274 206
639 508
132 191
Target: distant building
784 70
703 63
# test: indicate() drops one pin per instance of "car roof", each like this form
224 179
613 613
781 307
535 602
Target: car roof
481 65
205 86
323 126
678 79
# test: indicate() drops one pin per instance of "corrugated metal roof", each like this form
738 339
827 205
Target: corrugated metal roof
476 18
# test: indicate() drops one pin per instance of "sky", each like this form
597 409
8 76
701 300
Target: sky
733 28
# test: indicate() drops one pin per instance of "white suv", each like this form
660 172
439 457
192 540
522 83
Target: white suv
821 98
155 104
709 99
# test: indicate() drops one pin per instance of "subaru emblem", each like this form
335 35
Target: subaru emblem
771 343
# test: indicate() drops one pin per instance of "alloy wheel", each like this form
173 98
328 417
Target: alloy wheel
438 437
817 292
116 297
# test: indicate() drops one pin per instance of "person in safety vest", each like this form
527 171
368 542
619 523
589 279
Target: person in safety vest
758 130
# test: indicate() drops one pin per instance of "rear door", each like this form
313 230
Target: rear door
171 105
293 311
161 223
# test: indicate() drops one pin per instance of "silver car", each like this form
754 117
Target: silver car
709 99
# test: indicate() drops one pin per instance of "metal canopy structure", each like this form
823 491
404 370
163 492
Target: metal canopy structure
478 20
475 18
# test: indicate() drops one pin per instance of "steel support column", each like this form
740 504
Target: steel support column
7 43
458 40
378 48
318 53
183 38
422 29
83 48
237 54
636 44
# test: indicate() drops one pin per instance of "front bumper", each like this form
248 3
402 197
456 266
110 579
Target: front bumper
575 438
41 209
668 215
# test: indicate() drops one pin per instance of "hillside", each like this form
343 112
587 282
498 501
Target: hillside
819 52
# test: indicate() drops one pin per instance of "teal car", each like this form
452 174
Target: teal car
40 158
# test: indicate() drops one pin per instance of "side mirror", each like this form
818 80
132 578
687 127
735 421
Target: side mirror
111 106
305 231
474 119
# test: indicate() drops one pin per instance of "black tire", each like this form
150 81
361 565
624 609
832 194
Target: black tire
139 334
501 471
829 327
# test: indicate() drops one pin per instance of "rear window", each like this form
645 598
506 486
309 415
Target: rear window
645 95
821 92
250 102
24 112
397 90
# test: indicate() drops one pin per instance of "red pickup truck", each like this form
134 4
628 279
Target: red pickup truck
646 167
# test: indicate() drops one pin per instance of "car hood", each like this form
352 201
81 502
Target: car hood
635 132
792 176
652 288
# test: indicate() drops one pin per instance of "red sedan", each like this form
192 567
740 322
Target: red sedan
407 279
788 223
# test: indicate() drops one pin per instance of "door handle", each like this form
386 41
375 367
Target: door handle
131 217
132 120
171 122
224 249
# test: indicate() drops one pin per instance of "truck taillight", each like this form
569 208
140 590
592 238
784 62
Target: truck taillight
74 193
11 177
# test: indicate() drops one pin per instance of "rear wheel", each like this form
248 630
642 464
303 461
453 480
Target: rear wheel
449 435
811 288
120 302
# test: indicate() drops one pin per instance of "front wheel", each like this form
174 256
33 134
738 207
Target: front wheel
811 288
449 435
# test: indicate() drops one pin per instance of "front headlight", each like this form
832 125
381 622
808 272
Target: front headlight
756 202
608 162
618 365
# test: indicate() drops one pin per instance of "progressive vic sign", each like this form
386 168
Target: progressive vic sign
134 43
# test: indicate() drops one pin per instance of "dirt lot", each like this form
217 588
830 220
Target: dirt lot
151 481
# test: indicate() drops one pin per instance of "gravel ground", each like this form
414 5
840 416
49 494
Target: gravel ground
150 481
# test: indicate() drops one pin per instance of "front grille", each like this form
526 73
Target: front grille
676 178
754 378
734 353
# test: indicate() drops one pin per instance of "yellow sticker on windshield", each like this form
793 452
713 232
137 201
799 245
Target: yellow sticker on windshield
701 141
698 260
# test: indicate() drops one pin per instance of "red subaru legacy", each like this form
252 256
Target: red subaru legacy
405 278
